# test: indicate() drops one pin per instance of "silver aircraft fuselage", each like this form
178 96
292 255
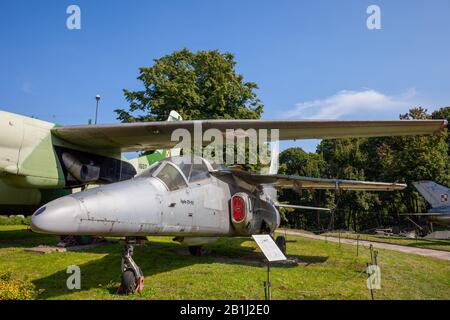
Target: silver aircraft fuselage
168 199
442 216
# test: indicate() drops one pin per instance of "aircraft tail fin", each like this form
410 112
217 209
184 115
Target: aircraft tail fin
435 194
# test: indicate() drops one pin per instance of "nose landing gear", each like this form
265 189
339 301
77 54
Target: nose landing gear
132 278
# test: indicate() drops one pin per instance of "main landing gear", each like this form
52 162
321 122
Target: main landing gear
70 241
196 251
132 279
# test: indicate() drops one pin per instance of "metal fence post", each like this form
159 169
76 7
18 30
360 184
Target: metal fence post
269 294
357 245
339 238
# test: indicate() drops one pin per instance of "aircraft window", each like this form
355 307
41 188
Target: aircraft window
149 172
173 179
192 171
185 164
198 172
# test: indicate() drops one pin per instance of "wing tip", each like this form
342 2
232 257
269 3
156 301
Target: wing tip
443 125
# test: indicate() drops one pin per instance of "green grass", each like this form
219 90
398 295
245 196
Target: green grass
419 243
231 270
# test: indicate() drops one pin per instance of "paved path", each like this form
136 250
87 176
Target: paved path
438 254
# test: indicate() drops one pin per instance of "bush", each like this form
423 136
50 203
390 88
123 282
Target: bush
11 289
14 220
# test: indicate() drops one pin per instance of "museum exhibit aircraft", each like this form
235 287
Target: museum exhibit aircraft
438 197
41 161
36 166
191 199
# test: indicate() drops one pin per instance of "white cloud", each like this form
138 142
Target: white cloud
354 103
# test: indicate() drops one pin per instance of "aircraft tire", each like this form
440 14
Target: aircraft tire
84 240
128 282
281 243
426 230
196 251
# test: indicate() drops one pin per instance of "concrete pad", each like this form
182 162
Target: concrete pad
45 249
49 249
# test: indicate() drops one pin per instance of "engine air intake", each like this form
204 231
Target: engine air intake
238 209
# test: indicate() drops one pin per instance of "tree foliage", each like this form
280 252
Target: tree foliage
389 159
198 85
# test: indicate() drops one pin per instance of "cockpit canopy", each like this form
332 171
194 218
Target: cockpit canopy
178 172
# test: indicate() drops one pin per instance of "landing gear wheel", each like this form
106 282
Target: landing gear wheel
281 243
132 278
69 241
84 240
426 230
196 251
128 282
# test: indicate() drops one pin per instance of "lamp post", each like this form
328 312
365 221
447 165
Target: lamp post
97 98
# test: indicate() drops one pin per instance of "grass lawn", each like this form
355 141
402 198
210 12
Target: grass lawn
419 243
231 270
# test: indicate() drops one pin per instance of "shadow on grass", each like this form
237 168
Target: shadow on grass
25 238
310 259
157 257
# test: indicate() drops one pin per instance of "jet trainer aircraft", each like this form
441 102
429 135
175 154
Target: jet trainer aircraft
40 161
193 200
438 197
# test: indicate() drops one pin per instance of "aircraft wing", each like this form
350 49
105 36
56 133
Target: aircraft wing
297 182
157 135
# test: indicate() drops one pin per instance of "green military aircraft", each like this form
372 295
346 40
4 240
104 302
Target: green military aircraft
36 166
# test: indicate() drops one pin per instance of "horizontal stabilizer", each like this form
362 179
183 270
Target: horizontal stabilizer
298 182
282 205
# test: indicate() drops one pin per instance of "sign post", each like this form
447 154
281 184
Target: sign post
272 253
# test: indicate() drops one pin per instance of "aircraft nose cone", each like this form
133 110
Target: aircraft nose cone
57 217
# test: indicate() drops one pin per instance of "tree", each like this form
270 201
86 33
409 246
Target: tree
295 161
417 158
346 160
443 113
200 85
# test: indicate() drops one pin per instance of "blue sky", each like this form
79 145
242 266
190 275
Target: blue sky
311 59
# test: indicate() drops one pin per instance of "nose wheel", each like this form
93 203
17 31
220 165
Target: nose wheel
132 278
